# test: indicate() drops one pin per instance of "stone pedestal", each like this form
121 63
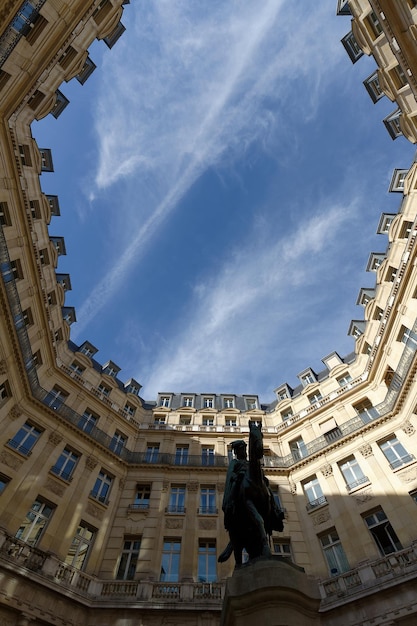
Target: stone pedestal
270 592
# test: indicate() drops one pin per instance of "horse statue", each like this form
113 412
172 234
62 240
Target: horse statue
250 511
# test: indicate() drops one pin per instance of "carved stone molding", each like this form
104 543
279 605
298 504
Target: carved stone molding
364 496
192 486
293 487
321 517
173 523
10 460
408 428
55 439
207 524
165 485
94 511
3 367
408 476
366 450
15 412
90 463
220 487
326 470
55 487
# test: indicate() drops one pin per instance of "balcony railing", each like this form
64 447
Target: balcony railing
21 559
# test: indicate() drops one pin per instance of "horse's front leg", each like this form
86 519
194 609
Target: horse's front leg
258 521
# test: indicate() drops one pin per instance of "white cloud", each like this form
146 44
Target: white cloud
191 88
247 307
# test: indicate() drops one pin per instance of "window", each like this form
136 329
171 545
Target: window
170 565
35 522
87 421
373 87
52 298
152 453
46 160
165 401
208 402
365 410
81 546
38 24
86 71
4 214
208 501
334 553
181 455
44 256
313 492
352 47
308 378
405 229
57 397
65 464
207 455
5 392
286 414
16 269
392 124
142 497
25 156
228 403
37 358
407 336
398 77
373 25
314 397
395 452
77 368
4 78
206 561
102 487
111 369
344 380
188 401
352 473
118 442
128 559
382 532
282 394
282 548
104 390
87 349
413 494
185 420
230 421
4 481
378 314
176 499
159 420
111 39
130 409
277 498
208 421
251 403
298 449
25 438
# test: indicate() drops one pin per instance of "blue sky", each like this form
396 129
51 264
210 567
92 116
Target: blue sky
221 177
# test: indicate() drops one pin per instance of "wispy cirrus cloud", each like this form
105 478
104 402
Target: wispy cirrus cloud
191 86
249 306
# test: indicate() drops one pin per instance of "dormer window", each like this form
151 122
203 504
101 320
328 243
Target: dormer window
373 87
208 402
283 392
228 402
165 401
251 404
307 377
398 180
385 223
111 369
352 47
188 401
392 124
88 349
104 390
132 387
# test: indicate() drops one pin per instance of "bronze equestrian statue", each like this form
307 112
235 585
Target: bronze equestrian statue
250 511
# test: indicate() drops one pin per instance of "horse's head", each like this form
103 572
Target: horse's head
256 448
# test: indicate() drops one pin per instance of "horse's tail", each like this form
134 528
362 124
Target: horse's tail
227 552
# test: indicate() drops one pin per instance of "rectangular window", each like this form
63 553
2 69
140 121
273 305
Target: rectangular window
87 421
4 481
298 449
365 410
352 473
395 452
177 499
103 389
251 403
130 409
118 442
16 269
181 455
228 403
152 453
165 401
208 402
185 420
188 401
159 420
344 380
282 548
35 522
287 414
128 559
25 157
77 368
5 391
142 497
382 532
65 465
207 455
80 546
57 397
334 553
207 560
4 214
314 397
102 486
25 438
314 493
208 501
230 421
170 566
208 421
